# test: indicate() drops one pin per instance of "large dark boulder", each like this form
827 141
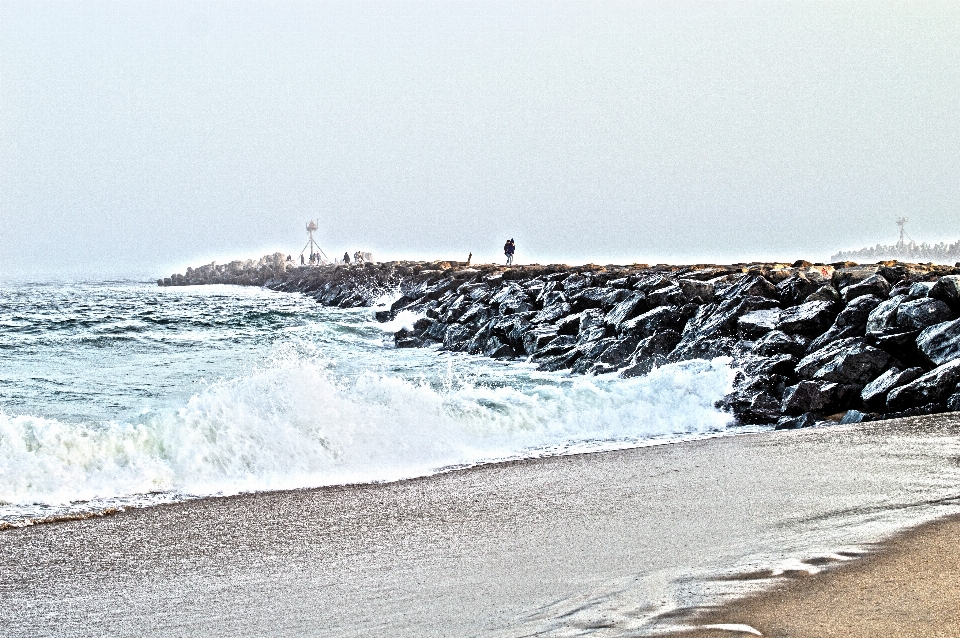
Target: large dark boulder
947 290
932 387
826 293
694 289
553 312
497 349
795 289
575 283
538 338
749 285
777 342
751 406
851 322
754 365
850 361
630 306
809 318
874 285
940 343
597 297
652 321
721 319
813 396
757 323
668 295
618 353
651 353
883 319
874 394
922 313
456 337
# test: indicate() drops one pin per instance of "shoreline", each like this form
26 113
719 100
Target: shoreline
495 550
906 586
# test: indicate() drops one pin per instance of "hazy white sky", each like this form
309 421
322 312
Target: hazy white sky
144 136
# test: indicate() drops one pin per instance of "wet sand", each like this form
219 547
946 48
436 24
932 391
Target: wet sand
609 544
910 587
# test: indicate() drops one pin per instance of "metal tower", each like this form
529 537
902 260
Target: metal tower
901 222
313 246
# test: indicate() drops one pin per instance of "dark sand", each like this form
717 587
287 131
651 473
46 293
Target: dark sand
601 544
910 587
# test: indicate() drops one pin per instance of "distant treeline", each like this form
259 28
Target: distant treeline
907 251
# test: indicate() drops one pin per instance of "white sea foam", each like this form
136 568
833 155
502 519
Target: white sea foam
403 321
295 424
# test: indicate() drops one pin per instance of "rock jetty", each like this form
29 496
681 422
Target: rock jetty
811 342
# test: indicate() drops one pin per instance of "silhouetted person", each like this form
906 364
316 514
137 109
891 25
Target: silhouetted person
346 258
469 257
301 259
508 249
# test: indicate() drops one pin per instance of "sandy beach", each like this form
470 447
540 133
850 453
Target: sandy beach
610 544
909 587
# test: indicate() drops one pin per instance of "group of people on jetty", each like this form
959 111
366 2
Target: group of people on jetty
509 248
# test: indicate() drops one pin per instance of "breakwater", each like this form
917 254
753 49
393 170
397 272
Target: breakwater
810 341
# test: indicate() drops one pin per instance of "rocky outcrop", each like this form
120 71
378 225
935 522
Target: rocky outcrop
810 342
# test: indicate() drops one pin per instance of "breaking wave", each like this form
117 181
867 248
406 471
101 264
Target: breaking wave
296 424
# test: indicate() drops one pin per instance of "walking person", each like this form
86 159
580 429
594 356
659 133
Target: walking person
508 249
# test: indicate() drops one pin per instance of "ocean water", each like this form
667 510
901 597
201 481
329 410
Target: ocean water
123 393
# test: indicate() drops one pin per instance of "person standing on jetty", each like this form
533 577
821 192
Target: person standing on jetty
346 257
508 249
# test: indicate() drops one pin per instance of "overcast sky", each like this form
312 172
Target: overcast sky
141 137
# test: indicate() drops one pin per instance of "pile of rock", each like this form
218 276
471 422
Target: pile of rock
810 342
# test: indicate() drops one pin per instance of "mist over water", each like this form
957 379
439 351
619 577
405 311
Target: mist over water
126 394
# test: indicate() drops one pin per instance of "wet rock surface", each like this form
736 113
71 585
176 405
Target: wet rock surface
810 342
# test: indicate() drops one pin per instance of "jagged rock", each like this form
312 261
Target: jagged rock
668 295
851 322
849 361
805 420
694 289
575 283
597 297
755 365
953 402
721 319
553 312
919 290
757 323
921 313
651 353
560 345
497 349
748 285
656 320
569 325
874 285
809 318
710 348
826 293
624 310
874 394
852 275
883 319
586 354
940 343
776 342
813 396
592 334
750 406
795 289
932 387
618 353
456 337
538 338
591 319
947 290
